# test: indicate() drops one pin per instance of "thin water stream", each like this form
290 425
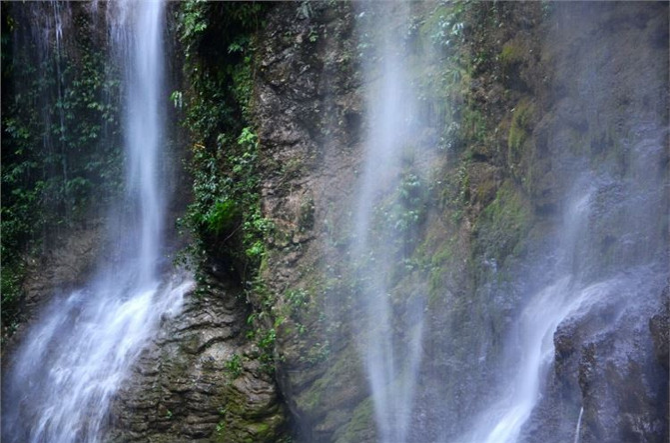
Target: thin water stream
579 425
391 360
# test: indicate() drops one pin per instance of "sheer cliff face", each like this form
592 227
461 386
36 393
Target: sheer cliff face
308 110
563 93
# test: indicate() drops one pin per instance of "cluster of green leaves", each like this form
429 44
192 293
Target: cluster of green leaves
450 26
401 214
225 214
234 366
60 137
226 210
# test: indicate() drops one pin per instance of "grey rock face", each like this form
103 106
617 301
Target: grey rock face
659 326
199 380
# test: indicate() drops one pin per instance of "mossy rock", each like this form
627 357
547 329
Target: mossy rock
503 224
511 54
522 119
361 427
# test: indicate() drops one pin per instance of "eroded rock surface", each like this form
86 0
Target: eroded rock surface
201 380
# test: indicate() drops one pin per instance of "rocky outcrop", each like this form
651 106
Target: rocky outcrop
608 355
201 380
613 376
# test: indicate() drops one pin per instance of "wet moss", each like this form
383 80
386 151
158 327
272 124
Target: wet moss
511 54
520 128
503 224
361 426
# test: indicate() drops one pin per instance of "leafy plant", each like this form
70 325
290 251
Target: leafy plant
234 366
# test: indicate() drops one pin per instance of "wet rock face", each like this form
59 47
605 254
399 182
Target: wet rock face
199 380
615 377
66 265
659 325
620 380
611 359
308 112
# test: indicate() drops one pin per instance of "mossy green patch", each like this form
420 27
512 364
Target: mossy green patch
511 54
521 125
344 373
503 224
361 427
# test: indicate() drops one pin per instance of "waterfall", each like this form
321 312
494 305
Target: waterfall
137 30
579 424
82 347
580 281
382 221
501 422
597 254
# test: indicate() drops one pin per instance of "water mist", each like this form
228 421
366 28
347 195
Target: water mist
391 359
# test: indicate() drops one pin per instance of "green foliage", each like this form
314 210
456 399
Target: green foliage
266 343
297 299
503 224
473 125
444 26
234 366
510 54
221 217
10 289
449 29
225 215
60 136
403 211
227 204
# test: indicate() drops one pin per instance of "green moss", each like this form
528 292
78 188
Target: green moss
222 217
473 125
440 259
510 54
361 426
258 431
343 373
503 224
521 125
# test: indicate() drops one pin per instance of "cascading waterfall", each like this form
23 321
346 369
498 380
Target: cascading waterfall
502 421
81 349
137 33
582 277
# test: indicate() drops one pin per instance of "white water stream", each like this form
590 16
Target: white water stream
579 425
74 359
391 358
501 422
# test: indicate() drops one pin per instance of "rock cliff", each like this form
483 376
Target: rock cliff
519 103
